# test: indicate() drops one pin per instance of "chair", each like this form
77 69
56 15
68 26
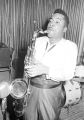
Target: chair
5 64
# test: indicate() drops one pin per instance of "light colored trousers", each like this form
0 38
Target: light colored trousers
44 104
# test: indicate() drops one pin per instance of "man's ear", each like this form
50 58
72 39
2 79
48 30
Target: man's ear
65 29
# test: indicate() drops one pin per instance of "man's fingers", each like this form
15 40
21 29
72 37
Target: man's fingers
29 67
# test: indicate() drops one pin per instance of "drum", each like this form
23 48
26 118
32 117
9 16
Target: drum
73 93
79 72
4 89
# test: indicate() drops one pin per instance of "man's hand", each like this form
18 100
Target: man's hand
37 69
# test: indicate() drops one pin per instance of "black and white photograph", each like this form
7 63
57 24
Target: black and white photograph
41 59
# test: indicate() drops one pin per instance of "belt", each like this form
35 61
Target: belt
40 82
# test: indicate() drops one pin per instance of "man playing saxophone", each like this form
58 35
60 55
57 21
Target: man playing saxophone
54 61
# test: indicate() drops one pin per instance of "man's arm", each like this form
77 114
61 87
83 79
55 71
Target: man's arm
67 71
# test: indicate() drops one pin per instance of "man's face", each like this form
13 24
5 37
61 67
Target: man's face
56 26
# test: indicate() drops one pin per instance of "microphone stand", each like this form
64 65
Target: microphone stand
4 107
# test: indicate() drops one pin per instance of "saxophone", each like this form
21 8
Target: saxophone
20 101
29 59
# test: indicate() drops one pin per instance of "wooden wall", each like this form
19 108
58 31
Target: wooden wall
19 19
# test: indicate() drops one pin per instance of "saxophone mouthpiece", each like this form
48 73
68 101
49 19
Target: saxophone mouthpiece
45 31
42 33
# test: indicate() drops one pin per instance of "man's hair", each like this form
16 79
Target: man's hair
60 11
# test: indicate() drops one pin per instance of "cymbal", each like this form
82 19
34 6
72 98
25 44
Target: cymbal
79 79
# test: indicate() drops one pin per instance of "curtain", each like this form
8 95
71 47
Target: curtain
19 19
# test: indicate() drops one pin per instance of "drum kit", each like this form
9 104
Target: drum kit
73 92
73 88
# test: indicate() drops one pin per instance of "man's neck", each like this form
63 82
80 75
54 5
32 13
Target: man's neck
53 41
